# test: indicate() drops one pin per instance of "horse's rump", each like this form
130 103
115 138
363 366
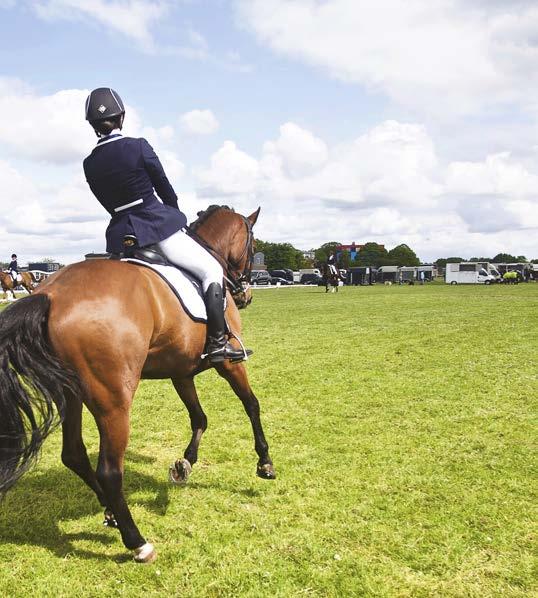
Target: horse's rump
110 314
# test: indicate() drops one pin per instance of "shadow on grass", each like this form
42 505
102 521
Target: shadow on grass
223 487
31 512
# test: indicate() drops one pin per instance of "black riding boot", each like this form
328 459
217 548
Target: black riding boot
218 348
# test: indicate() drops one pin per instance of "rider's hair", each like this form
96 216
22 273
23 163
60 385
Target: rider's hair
13 255
105 127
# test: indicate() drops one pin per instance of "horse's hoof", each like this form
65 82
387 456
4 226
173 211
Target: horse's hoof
266 471
110 520
145 553
179 472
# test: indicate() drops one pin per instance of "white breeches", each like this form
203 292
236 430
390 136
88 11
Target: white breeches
185 252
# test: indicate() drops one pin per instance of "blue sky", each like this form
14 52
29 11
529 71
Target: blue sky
347 120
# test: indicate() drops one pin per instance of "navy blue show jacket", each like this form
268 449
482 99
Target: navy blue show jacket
123 174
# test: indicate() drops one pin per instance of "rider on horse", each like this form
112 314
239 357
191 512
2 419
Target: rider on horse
13 269
331 265
124 173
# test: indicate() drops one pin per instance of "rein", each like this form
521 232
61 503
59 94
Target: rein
235 279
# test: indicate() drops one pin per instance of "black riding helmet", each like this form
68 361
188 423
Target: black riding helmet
103 103
13 256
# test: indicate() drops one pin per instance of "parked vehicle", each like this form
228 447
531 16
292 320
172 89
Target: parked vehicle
258 277
280 280
407 274
524 270
282 273
311 278
361 275
467 273
430 271
310 271
491 269
387 273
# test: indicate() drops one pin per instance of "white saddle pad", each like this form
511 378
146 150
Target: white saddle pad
185 287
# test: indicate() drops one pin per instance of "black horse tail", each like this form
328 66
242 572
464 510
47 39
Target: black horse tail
33 381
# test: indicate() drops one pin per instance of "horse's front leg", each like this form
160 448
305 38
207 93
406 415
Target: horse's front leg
236 376
181 469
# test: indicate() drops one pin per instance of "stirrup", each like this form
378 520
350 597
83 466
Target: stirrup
219 354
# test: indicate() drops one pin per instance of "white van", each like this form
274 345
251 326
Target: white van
467 273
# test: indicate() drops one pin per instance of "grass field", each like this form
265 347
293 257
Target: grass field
402 424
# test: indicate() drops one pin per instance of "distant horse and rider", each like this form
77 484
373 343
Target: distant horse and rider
331 274
12 278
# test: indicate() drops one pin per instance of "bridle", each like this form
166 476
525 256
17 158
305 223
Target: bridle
237 280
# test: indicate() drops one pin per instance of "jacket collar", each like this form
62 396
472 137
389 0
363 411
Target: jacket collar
109 138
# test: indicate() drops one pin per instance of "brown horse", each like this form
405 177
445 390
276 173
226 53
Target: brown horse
6 280
75 342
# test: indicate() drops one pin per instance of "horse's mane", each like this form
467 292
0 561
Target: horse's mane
203 215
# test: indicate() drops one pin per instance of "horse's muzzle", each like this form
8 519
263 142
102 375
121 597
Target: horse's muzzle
243 298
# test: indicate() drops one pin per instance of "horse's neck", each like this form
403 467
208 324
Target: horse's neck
220 242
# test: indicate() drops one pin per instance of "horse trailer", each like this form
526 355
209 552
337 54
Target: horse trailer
387 273
407 274
524 270
467 273
429 270
361 275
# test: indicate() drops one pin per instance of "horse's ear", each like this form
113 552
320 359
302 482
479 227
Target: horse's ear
254 216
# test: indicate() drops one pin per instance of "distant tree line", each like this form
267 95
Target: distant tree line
500 258
281 255
285 255
371 254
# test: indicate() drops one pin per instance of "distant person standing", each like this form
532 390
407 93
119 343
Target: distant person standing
13 268
421 276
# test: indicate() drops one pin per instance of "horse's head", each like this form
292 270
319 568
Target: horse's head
229 237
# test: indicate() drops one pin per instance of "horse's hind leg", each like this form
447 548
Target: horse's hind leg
74 455
236 377
180 470
113 427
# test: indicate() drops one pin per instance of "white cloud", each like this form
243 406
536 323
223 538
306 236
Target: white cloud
132 18
232 172
387 185
498 174
302 153
199 122
392 163
50 128
446 57
172 165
